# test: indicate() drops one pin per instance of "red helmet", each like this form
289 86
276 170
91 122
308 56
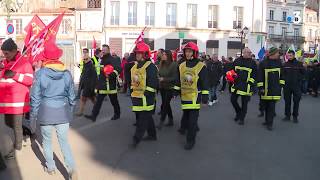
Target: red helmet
142 47
231 76
193 46
108 69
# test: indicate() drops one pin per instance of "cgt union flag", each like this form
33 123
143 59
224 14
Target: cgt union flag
44 38
34 27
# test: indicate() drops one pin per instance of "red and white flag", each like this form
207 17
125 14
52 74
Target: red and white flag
140 38
34 27
94 44
44 37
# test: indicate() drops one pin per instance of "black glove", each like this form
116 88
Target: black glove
261 92
9 73
175 93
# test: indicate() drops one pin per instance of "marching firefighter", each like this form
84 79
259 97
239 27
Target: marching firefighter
246 69
194 90
270 82
15 80
107 85
293 72
144 82
88 80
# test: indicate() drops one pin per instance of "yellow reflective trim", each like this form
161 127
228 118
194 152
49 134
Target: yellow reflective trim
259 84
204 92
106 91
282 82
176 88
143 108
150 89
116 72
97 65
251 80
190 106
271 97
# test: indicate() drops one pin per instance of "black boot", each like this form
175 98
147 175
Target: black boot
236 118
182 131
150 138
170 123
189 145
287 118
92 118
295 120
115 117
135 143
160 125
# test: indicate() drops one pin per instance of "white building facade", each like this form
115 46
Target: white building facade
281 32
170 23
311 30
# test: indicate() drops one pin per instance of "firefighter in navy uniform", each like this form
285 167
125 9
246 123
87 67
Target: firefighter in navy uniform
270 83
246 69
144 82
107 85
193 89
293 72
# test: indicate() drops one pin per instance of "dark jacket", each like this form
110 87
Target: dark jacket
102 80
202 82
270 79
170 75
214 72
151 81
246 70
293 72
88 79
227 66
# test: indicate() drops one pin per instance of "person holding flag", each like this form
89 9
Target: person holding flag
15 80
52 105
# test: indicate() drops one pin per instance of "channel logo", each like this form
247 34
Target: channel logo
295 19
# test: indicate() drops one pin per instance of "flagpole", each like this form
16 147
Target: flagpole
132 46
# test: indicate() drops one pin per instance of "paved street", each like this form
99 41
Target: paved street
224 150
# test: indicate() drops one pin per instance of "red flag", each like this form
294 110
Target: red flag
46 36
33 28
140 38
94 43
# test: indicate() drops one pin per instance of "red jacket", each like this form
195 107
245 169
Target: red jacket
14 92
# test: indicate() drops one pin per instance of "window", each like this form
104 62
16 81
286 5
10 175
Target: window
192 15
296 33
132 13
284 31
18 26
213 17
307 18
284 16
271 15
171 19
237 17
66 27
310 34
94 3
271 30
115 12
150 10
172 44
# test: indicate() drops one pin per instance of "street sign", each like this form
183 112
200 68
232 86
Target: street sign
10 29
181 35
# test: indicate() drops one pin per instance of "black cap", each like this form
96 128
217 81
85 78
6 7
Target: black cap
9 45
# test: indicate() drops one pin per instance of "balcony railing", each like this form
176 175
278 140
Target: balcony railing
286 38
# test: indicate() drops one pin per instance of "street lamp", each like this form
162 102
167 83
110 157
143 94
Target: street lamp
242 33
